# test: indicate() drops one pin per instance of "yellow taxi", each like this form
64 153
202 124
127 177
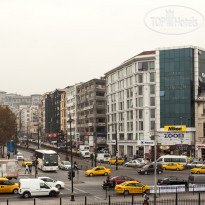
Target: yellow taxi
26 161
99 170
173 166
8 187
113 160
200 170
131 187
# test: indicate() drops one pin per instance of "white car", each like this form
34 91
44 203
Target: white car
65 165
52 182
19 156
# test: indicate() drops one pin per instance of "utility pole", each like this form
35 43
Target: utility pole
116 151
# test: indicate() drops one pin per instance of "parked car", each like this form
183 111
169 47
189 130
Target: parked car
173 166
200 170
196 164
8 187
66 165
149 168
52 182
36 187
100 170
172 180
131 187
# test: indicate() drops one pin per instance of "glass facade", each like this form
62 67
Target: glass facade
177 86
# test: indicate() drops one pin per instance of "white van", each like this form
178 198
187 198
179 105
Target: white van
173 158
103 157
85 153
36 187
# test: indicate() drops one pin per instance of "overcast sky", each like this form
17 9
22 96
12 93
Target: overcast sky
49 44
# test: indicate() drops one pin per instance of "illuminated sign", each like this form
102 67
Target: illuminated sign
181 128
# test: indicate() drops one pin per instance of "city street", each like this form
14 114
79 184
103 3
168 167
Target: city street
91 186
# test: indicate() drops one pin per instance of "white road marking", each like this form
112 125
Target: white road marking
98 197
80 190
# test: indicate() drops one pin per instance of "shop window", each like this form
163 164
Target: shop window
204 128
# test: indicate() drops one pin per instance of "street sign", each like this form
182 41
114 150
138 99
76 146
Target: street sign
10 146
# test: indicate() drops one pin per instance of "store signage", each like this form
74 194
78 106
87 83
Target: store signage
146 142
174 135
171 128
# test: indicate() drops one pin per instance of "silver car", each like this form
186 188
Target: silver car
196 164
66 165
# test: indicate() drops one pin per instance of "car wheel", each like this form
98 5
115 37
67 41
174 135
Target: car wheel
164 168
159 172
126 192
15 191
91 174
106 174
177 169
198 172
26 195
58 186
146 172
52 193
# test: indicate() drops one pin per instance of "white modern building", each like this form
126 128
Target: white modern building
131 105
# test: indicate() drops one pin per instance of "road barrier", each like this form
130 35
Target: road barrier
168 189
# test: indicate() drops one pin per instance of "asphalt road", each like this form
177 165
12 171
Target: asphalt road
92 186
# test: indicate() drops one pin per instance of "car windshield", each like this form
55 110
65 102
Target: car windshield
67 163
94 168
145 166
50 159
27 160
20 155
123 183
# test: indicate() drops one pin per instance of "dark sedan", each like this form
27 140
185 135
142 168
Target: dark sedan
172 180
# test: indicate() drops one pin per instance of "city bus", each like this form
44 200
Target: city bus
47 160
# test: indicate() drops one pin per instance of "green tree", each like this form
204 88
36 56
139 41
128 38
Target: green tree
7 126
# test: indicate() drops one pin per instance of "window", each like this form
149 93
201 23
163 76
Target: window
129 70
121 95
140 78
140 101
152 101
140 114
121 116
204 129
203 108
152 113
141 136
140 125
122 136
130 136
152 89
152 125
121 126
140 90
152 77
129 126
121 105
129 115
129 81
144 66
45 186
129 104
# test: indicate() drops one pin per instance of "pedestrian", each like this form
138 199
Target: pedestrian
125 158
26 170
30 168
8 155
146 198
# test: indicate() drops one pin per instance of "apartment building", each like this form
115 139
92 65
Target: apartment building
91 113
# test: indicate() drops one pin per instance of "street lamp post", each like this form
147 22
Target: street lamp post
71 158
38 136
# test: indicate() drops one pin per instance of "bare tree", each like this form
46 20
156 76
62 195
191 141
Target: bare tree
7 126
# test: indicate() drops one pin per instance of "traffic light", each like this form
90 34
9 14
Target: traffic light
69 175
